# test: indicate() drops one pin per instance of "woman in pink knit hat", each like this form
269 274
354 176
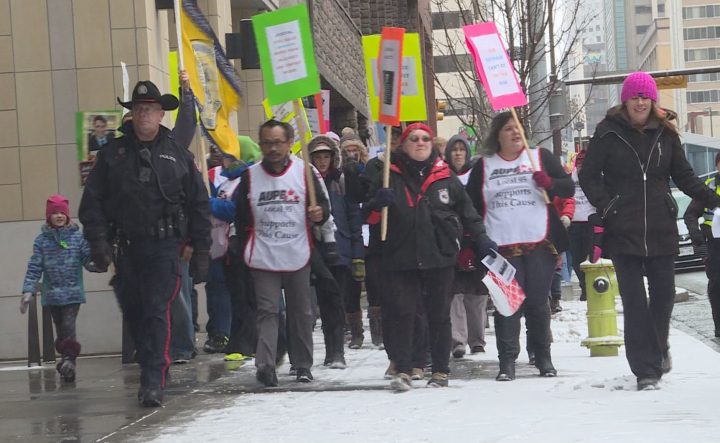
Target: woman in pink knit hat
633 155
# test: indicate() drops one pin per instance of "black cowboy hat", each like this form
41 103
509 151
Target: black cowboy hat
146 92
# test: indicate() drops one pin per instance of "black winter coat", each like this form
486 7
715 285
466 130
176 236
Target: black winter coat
426 222
626 175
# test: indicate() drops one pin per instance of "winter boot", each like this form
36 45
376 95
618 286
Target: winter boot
666 362
458 350
544 364
507 371
329 347
648 383
69 349
376 331
334 348
354 321
555 306
401 382
151 398
390 372
438 380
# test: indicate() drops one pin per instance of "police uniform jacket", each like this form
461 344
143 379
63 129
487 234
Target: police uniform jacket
134 186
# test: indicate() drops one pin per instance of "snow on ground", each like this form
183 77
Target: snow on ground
592 400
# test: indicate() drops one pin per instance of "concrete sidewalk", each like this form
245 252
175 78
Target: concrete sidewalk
102 405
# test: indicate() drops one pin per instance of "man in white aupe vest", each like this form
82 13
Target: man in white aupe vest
273 219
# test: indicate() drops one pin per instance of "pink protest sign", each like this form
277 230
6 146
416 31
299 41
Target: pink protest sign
494 66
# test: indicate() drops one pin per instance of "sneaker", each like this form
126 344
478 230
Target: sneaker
152 398
390 372
438 380
418 374
216 344
293 371
235 356
181 361
459 350
507 371
304 375
401 382
267 376
531 358
477 349
666 362
648 384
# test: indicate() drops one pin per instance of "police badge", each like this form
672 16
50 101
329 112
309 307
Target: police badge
444 195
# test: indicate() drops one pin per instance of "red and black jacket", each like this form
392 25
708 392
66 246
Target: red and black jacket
426 222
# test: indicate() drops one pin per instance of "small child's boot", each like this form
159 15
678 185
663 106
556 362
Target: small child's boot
69 349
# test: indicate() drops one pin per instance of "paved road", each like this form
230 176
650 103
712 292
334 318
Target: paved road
693 316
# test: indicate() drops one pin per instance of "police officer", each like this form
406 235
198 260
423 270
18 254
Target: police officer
699 235
146 197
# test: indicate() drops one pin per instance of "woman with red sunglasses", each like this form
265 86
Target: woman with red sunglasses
427 211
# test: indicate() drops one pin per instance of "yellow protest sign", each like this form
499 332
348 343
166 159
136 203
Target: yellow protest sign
285 112
412 101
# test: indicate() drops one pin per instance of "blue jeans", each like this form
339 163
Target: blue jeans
219 307
182 341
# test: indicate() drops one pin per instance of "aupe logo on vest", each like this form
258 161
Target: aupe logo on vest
504 172
278 197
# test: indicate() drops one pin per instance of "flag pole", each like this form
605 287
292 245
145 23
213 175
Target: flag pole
386 181
300 122
181 66
178 32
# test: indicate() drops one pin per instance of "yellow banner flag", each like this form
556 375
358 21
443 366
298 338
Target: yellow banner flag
212 78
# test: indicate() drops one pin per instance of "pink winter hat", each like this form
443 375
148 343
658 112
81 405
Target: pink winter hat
57 203
639 84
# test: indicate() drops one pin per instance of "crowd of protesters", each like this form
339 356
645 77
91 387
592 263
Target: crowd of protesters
280 244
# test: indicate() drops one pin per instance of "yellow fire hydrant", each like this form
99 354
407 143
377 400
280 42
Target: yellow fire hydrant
601 288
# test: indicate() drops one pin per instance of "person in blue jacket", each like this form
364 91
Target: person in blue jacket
59 254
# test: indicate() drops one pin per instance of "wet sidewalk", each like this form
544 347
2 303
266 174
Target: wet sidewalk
102 404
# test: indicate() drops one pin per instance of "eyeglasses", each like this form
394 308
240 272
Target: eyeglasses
416 138
272 143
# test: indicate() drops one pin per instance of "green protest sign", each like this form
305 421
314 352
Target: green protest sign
285 47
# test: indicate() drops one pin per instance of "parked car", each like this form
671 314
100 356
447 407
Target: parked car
690 257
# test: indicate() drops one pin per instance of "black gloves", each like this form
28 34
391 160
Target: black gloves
485 246
101 254
697 238
199 265
383 197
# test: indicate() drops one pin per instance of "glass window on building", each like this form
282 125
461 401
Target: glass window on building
452 63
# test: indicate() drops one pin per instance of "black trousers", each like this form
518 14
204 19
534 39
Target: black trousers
581 238
405 289
146 284
534 273
243 329
647 322
329 291
712 270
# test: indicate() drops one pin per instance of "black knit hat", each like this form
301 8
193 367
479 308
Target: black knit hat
146 92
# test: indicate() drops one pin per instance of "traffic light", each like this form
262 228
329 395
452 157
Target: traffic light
440 107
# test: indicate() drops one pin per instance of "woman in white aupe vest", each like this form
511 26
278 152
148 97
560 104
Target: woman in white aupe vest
507 191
